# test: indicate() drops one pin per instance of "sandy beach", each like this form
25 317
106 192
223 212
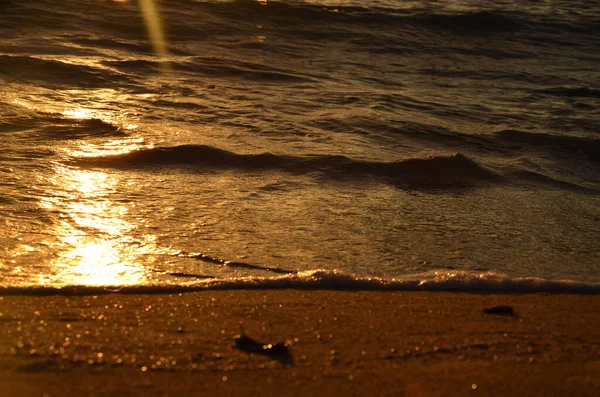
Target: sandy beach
355 343
299 198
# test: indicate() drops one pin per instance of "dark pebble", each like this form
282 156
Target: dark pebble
501 310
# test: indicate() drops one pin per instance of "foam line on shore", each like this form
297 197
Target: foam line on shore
435 281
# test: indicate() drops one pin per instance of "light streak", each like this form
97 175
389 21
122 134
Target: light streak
155 30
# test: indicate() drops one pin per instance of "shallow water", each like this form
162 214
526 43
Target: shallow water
385 139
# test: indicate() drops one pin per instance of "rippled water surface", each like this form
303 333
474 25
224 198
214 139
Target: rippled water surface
149 143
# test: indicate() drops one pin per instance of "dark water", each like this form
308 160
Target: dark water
448 141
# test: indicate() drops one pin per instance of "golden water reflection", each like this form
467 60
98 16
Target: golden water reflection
107 148
95 244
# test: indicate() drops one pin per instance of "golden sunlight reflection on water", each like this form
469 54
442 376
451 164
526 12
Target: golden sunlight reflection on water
122 118
110 147
104 116
94 247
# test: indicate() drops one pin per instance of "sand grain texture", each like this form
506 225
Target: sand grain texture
355 343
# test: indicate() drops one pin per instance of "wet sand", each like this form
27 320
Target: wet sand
355 343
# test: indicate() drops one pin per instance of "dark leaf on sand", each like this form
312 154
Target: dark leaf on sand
276 351
39 366
500 310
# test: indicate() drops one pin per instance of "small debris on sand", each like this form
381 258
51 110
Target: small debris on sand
277 351
500 310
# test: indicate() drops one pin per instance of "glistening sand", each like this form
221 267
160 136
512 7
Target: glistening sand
348 343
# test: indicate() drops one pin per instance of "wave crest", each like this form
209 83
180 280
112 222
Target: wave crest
434 171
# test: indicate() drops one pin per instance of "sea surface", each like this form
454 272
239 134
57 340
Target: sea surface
378 144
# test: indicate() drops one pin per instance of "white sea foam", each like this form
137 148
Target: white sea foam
431 281
436 281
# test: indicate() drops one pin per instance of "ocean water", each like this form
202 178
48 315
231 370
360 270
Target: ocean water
379 144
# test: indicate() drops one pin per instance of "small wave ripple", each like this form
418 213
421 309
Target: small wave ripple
50 72
575 92
561 144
